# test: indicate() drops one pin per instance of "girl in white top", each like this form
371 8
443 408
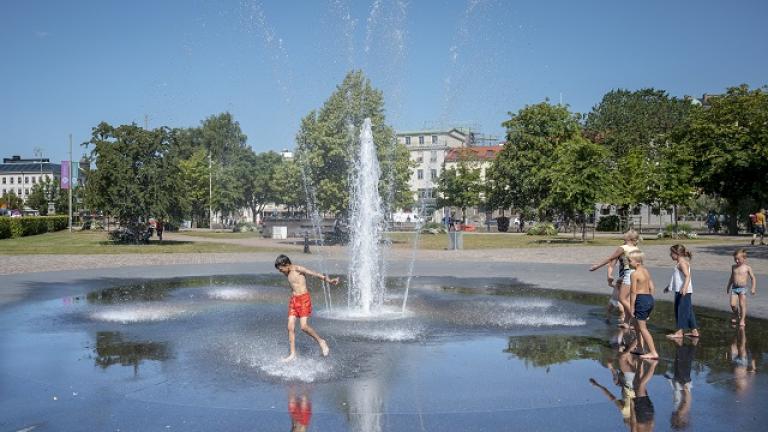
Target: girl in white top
621 288
682 285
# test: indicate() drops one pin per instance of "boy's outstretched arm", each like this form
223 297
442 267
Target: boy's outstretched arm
308 272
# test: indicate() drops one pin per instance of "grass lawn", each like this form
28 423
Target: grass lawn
507 241
95 242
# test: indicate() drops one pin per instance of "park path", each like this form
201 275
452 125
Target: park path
710 257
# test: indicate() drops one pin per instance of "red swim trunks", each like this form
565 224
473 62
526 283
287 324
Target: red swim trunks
300 305
300 412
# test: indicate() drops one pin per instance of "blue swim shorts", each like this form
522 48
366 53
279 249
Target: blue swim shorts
643 306
738 290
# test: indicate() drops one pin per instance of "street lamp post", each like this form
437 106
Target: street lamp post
210 192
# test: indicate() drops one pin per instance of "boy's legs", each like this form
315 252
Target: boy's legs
624 300
306 328
291 338
735 308
646 335
742 309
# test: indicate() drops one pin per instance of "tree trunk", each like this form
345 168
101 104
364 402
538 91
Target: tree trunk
733 222
583 227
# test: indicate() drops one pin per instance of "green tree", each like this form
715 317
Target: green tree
194 182
519 175
728 141
135 176
47 190
288 185
259 179
11 201
328 140
578 178
460 186
636 127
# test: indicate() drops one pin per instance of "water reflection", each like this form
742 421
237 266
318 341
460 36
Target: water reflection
744 365
111 350
299 407
681 382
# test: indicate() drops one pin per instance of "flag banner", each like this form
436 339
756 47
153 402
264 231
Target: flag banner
74 174
65 174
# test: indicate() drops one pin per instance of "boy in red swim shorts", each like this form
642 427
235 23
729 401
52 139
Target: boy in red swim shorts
300 304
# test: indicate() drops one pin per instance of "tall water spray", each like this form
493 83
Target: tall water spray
366 291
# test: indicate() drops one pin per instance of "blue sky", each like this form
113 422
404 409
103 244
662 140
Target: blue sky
66 66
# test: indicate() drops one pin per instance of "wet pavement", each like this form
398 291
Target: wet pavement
203 353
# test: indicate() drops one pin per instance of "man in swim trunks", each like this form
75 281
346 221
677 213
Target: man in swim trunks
758 227
741 275
300 304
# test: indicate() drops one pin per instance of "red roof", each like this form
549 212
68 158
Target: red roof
477 153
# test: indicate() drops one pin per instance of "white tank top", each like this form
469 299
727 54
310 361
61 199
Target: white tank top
678 279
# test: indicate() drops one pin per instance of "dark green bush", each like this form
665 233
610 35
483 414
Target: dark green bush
5 227
31 225
608 223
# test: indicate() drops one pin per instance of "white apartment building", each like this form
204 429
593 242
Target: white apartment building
428 149
19 175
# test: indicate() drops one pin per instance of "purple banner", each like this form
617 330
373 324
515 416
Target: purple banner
65 174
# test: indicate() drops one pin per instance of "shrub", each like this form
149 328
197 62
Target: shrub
681 227
245 227
608 223
433 228
5 227
543 229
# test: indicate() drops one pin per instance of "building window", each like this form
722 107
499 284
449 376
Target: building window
407 140
433 156
3 191
34 180
421 140
434 174
420 157
19 179
26 191
26 180
18 192
434 139
11 180
3 180
420 174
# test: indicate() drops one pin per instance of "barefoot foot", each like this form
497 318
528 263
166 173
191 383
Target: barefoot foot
290 357
324 349
650 356
677 335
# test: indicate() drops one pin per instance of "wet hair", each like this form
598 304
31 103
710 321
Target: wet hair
680 250
742 252
632 235
282 261
637 255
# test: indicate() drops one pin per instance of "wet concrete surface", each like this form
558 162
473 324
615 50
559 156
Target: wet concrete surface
120 352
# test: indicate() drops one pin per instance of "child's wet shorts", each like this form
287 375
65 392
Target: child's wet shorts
300 305
643 306
738 290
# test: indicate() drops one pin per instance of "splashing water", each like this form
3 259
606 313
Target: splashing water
366 291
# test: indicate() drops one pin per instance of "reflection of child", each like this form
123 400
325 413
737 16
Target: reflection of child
641 301
741 274
643 418
300 409
300 304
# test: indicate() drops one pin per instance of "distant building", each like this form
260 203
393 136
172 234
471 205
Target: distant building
20 175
